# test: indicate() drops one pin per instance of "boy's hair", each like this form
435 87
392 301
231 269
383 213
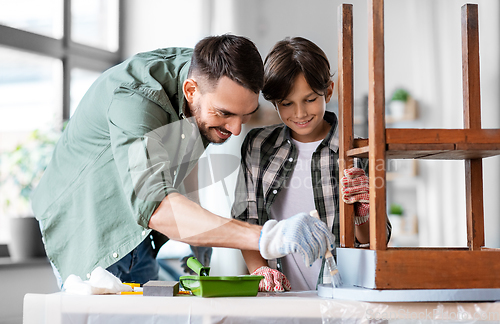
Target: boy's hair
288 59
235 57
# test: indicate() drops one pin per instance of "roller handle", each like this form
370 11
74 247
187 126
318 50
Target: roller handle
197 267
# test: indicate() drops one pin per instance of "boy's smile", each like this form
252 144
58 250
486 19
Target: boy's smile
303 110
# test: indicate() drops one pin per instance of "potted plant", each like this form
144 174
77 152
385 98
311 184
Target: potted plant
396 213
20 172
397 105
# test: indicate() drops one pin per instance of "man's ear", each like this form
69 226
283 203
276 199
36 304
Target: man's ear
189 87
329 92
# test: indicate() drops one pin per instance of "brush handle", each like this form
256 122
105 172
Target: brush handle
328 254
330 261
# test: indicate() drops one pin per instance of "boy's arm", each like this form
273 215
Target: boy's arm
355 190
363 232
254 260
273 279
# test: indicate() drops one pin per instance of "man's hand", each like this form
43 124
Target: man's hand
298 234
273 280
356 190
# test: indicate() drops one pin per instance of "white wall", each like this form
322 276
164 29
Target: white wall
423 54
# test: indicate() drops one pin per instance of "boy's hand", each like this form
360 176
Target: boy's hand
273 280
356 190
298 234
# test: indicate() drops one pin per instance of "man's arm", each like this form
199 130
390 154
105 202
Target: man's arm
183 220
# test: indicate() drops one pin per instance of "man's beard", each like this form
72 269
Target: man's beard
204 129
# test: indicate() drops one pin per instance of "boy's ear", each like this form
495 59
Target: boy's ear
189 87
329 92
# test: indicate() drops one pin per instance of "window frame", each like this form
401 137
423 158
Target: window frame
71 54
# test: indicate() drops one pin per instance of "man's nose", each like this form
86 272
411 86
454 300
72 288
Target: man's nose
234 125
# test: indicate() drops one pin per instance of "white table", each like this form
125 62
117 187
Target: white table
290 307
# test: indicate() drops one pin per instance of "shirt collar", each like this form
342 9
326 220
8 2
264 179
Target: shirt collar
331 140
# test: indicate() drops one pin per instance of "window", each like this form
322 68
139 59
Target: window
44 17
81 80
95 23
30 91
51 51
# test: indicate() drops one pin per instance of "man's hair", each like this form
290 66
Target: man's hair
235 57
288 59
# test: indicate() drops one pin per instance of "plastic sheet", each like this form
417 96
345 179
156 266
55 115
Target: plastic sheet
338 311
275 308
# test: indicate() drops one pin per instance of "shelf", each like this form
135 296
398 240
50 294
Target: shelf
8 263
435 144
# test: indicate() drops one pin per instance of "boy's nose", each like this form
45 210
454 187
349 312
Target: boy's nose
300 111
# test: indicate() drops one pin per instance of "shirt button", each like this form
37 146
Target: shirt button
275 191
290 159
288 141
115 255
88 275
144 233
175 172
183 136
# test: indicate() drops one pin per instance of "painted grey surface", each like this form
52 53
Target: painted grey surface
408 295
357 267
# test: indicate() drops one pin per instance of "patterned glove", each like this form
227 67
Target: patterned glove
273 280
298 234
356 190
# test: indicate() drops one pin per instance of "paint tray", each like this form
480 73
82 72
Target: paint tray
229 286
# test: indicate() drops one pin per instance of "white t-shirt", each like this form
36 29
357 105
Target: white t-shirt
295 197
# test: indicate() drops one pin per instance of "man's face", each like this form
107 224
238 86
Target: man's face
221 111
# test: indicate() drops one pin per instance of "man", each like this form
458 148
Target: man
115 179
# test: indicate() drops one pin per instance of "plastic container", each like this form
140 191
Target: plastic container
232 286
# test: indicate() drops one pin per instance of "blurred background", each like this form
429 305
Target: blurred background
52 50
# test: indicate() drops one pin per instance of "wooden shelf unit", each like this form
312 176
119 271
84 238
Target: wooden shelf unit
416 268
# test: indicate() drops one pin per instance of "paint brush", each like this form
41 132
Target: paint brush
330 261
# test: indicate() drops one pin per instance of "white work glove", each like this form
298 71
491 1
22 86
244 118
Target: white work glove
298 234
273 280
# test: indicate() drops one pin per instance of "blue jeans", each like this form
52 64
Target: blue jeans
138 266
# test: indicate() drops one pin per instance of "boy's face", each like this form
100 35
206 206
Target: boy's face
221 111
303 110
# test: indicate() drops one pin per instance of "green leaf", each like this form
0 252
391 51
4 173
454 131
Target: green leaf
396 209
400 95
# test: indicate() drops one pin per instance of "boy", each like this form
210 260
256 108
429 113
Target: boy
292 167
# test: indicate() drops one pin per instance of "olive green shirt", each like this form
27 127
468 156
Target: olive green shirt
122 152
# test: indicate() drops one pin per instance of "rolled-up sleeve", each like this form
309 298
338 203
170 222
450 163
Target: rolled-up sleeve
145 165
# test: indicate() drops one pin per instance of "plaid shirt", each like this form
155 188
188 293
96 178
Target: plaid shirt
268 159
